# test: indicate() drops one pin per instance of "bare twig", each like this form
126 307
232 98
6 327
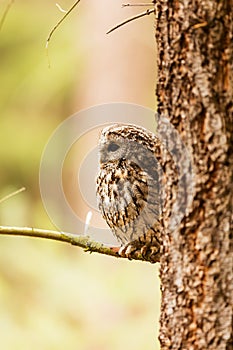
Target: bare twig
61 20
139 4
10 3
81 241
147 12
12 194
74 239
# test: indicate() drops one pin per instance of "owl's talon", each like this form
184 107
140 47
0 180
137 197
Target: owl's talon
126 251
150 253
134 250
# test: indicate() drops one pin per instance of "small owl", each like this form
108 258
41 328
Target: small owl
129 189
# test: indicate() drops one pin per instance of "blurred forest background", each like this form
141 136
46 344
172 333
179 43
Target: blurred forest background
54 296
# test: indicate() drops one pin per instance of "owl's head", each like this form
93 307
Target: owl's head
126 141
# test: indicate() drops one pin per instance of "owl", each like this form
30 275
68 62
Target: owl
129 190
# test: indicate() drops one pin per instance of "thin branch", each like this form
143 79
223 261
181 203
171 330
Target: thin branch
12 194
81 241
139 4
61 20
10 3
147 12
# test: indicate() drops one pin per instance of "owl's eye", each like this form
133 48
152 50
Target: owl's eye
112 147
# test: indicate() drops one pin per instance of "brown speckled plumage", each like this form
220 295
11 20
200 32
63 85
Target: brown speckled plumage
128 189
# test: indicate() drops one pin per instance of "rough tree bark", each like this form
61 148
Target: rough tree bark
194 91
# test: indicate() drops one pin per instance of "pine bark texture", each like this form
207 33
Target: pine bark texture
194 91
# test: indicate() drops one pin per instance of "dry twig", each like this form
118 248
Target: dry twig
12 194
10 3
81 241
147 12
61 20
139 4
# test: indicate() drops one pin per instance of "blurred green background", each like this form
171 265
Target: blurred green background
54 296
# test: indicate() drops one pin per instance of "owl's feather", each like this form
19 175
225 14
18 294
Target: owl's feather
129 188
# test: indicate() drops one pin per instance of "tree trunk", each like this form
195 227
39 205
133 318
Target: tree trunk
194 93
